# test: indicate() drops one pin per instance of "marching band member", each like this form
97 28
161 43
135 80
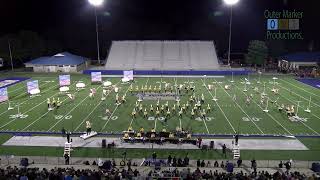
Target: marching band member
183 108
203 114
151 108
192 113
180 113
48 102
187 105
88 126
123 99
53 102
168 113
157 112
145 113
133 114
58 103
208 108
202 98
141 130
174 108
117 98
140 108
108 112
162 108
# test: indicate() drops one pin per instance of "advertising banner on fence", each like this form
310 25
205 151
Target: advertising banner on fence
96 77
64 80
31 85
3 94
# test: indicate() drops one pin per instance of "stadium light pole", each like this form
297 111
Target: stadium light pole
230 3
97 3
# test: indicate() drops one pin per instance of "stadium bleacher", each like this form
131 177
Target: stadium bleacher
162 55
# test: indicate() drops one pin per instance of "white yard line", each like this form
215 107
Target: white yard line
131 122
155 123
42 116
268 114
113 111
222 111
299 87
25 100
71 111
241 109
298 95
84 119
34 106
205 124
299 106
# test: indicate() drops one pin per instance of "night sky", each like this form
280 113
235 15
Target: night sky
72 23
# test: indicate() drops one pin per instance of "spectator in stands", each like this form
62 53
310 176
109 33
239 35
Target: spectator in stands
186 161
208 164
222 164
288 166
67 159
180 164
154 156
281 164
239 162
198 163
224 150
254 166
203 164
174 161
169 160
216 164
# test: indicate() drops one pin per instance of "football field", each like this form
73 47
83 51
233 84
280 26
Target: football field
231 113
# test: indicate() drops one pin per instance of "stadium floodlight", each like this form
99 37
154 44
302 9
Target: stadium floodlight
97 3
230 3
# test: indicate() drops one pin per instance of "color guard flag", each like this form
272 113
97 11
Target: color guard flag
3 94
128 74
64 80
31 85
96 77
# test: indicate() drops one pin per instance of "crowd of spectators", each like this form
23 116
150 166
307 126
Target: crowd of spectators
15 173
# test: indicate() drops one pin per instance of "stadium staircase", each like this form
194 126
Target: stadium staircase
236 151
67 148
